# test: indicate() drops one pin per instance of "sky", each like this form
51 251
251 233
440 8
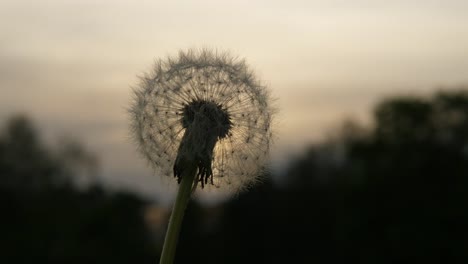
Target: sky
70 65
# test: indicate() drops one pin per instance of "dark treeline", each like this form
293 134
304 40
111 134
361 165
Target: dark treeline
46 219
393 193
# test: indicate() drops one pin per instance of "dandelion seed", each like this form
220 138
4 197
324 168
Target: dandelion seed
204 107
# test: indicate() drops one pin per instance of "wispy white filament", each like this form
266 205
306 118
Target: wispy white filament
157 115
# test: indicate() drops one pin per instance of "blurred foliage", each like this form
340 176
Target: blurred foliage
393 193
45 219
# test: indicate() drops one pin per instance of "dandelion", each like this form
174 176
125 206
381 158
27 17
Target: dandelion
208 108
204 119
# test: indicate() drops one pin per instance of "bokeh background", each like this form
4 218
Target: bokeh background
370 161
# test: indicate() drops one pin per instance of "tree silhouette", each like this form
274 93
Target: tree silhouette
46 220
398 195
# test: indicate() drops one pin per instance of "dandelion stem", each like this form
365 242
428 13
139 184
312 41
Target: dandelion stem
175 222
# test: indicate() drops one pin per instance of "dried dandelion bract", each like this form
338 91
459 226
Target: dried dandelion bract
206 107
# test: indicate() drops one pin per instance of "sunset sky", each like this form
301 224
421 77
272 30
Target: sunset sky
70 65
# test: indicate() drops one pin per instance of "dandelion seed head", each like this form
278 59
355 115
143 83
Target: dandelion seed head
208 107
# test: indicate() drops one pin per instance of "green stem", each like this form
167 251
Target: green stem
175 222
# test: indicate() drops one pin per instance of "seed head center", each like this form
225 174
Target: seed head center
205 122
209 116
